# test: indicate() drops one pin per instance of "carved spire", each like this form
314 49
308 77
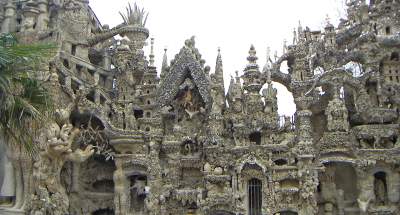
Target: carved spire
151 56
299 32
251 77
284 46
252 66
299 28
235 88
164 67
294 36
219 71
267 67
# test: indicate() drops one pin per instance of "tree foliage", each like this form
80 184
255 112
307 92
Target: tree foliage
23 99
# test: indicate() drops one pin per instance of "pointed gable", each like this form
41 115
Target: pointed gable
186 65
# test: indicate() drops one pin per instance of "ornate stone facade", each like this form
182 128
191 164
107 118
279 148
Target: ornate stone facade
127 141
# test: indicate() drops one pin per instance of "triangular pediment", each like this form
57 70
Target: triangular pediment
186 66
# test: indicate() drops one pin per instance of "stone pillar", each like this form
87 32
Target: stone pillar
109 82
394 187
9 18
43 18
96 78
75 176
7 178
304 128
97 96
68 82
107 60
305 154
1 14
121 189
365 185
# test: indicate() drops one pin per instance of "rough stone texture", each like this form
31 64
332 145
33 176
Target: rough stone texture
124 141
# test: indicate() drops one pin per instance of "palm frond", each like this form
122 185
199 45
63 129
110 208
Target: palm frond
24 102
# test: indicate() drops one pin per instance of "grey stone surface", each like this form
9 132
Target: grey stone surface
125 141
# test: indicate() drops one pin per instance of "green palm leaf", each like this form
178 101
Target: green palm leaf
24 102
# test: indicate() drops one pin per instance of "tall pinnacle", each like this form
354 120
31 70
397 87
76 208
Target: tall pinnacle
164 66
267 67
219 72
151 52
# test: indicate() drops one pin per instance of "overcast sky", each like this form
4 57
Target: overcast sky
232 25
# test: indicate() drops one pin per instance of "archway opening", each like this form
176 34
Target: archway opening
106 211
380 188
254 192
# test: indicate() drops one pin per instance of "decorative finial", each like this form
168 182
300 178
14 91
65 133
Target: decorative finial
299 28
134 16
284 46
294 36
219 71
164 64
327 19
252 58
268 60
276 55
151 56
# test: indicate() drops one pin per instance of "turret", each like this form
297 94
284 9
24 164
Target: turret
251 77
330 34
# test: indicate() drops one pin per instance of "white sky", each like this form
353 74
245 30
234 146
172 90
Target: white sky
232 25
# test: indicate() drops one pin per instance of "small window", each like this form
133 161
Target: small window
66 63
394 56
73 49
148 102
138 113
255 137
280 162
148 114
388 31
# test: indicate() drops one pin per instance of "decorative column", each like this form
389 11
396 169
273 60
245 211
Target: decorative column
76 167
304 129
307 171
365 185
154 180
43 18
106 60
9 18
1 14
121 188
394 186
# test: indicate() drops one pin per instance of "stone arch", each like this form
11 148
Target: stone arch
221 212
251 163
339 181
287 212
